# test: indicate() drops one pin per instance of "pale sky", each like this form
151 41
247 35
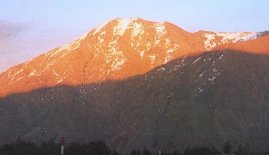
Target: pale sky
31 27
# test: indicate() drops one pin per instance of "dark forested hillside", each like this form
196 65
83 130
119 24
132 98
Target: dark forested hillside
203 100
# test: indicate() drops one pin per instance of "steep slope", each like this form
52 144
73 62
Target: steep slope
119 49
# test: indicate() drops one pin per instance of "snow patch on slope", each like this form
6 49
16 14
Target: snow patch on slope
236 37
152 58
114 56
209 43
168 55
100 40
138 29
226 37
170 51
33 73
14 74
142 54
160 28
118 61
122 26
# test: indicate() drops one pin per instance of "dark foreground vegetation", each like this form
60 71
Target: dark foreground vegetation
101 148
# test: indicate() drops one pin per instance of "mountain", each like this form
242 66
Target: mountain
119 49
118 83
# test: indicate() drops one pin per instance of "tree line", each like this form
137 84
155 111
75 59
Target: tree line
101 148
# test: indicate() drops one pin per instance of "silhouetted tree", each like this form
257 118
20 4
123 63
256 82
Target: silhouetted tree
98 148
146 151
200 151
227 148
19 148
215 151
115 152
135 152
49 147
241 150
75 148
176 153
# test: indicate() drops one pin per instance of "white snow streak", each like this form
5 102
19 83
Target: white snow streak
236 37
142 54
152 58
212 78
55 73
160 28
138 29
197 59
33 73
168 55
123 25
209 42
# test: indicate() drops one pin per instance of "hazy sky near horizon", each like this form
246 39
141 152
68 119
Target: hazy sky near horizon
31 27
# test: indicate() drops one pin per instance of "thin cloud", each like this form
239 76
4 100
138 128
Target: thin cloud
9 29
9 32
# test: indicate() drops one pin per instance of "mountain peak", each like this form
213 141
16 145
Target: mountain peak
118 49
120 25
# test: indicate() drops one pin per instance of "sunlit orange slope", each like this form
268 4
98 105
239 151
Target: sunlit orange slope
119 49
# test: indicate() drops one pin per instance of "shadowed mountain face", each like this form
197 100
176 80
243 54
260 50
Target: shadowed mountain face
206 99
